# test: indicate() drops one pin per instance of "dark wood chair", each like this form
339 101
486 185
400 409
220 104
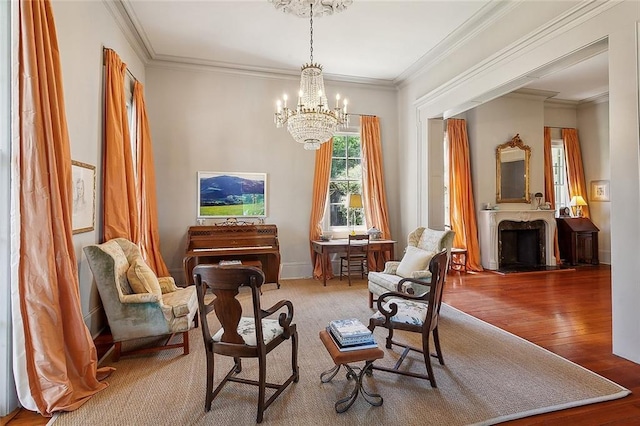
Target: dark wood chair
241 337
418 314
355 260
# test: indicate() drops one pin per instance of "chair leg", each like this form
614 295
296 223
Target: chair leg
341 269
116 351
436 342
427 360
185 343
390 339
294 356
370 300
209 398
262 379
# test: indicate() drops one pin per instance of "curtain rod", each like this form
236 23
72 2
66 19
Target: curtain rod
554 127
126 68
361 115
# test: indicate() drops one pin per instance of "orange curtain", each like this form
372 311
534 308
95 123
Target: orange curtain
375 196
320 189
146 188
59 358
575 172
120 212
549 187
461 202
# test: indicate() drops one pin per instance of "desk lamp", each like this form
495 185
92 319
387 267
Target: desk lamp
354 201
577 202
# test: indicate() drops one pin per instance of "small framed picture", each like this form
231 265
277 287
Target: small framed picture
84 196
599 190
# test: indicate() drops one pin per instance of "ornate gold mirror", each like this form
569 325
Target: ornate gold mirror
512 172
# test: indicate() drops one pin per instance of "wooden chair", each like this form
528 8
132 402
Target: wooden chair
355 260
418 314
241 337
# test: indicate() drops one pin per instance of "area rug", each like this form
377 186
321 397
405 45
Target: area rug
490 376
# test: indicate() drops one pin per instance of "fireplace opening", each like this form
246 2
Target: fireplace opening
521 245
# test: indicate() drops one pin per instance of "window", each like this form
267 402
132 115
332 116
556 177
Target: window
561 187
345 179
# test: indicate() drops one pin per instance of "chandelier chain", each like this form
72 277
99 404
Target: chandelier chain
311 34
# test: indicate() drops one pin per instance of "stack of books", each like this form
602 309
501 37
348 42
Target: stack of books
351 335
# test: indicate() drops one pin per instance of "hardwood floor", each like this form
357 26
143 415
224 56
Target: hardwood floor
566 312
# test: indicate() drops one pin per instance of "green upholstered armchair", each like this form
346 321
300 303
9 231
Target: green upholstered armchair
422 245
137 303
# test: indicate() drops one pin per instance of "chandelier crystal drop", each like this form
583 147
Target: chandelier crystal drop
312 121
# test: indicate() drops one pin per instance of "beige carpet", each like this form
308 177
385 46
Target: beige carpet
490 376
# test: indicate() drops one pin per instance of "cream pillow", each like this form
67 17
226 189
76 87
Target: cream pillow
414 259
142 279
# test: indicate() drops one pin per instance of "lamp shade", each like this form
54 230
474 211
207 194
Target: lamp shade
577 200
354 201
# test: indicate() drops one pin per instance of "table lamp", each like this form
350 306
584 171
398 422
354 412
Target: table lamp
354 201
577 202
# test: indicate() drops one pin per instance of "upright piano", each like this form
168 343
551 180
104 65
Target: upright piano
254 245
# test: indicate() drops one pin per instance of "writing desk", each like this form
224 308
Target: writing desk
381 251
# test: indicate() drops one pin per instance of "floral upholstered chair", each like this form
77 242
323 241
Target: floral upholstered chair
423 244
136 302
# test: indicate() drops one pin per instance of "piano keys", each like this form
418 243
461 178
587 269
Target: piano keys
254 245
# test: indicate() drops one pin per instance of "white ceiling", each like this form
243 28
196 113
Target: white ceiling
253 35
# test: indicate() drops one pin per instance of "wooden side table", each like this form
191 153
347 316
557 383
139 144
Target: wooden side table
458 261
344 359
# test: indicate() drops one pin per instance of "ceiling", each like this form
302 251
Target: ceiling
252 35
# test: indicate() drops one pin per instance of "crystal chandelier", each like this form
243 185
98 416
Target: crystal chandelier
312 121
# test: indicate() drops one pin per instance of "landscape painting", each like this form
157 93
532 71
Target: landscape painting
225 195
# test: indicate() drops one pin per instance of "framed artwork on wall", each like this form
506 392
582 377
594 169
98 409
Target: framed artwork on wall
84 197
229 194
599 190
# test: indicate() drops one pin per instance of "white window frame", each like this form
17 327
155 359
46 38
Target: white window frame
342 231
561 190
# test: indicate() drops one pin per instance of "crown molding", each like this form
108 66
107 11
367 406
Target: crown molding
561 103
123 17
484 18
575 16
193 64
597 99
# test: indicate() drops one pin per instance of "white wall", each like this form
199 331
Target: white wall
204 120
84 28
495 123
8 398
593 130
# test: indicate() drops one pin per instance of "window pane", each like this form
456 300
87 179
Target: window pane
338 214
337 192
354 168
339 146
353 143
338 168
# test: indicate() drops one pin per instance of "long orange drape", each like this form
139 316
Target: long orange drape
461 201
549 184
146 188
373 188
59 356
575 171
318 201
119 194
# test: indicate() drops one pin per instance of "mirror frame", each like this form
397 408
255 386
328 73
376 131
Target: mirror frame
515 142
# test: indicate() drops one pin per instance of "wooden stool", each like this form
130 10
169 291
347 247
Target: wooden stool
458 260
343 359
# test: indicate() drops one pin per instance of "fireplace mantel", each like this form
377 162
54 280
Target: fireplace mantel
488 221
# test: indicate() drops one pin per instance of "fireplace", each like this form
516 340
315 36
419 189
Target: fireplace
521 244
529 235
